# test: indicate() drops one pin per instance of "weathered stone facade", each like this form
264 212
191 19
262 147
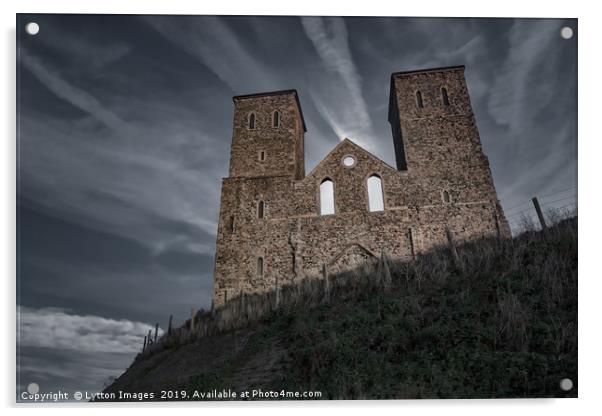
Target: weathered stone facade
270 229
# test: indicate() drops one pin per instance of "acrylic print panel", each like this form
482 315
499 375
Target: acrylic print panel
176 240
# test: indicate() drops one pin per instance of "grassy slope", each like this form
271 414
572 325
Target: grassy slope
500 323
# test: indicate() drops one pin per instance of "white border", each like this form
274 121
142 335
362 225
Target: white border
590 152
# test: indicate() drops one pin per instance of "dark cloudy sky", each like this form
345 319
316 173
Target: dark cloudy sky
124 131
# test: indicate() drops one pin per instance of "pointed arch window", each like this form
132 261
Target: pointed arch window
251 121
326 197
261 210
419 103
260 266
444 96
376 200
276 119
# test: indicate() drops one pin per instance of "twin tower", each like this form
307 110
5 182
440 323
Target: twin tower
278 225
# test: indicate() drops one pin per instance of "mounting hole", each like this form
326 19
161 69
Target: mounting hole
566 32
32 28
33 388
566 384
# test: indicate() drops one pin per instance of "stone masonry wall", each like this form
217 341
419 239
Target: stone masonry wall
293 241
282 144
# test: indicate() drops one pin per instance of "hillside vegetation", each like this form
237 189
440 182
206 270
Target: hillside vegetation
498 320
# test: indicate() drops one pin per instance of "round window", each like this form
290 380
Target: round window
349 161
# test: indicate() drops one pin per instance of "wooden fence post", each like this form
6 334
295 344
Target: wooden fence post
192 319
156 331
383 272
542 220
411 240
149 340
277 294
169 325
144 345
242 304
452 246
496 219
326 282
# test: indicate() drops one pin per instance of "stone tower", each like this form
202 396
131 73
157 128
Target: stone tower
268 135
272 229
435 135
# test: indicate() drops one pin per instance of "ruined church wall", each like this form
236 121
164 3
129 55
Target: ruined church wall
294 241
243 237
443 154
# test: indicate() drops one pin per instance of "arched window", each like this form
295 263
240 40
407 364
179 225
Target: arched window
276 119
445 196
419 99
375 194
326 197
259 266
251 121
260 209
444 96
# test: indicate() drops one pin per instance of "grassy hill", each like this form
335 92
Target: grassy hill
499 320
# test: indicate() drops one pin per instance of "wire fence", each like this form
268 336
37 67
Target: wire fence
553 205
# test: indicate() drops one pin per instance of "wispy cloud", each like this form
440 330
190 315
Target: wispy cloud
532 53
56 328
537 143
244 67
69 92
215 45
127 199
134 157
84 51
339 98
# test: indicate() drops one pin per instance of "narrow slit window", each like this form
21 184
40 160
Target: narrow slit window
276 119
375 194
419 103
444 96
260 209
231 225
252 121
260 266
446 197
326 197
262 156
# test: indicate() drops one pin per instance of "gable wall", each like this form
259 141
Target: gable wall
295 241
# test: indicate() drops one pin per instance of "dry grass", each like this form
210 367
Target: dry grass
509 258
497 320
